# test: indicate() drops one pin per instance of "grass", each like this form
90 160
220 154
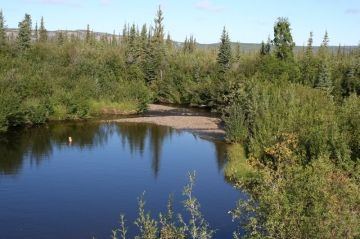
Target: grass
238 168
114 108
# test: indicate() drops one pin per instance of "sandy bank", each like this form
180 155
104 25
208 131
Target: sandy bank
199 123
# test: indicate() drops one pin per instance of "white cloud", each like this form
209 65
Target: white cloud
105 2
71 3
53 1
352 11
207 5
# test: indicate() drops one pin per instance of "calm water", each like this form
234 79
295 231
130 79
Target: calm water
50 189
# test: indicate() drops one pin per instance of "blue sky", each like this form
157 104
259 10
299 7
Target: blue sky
246 21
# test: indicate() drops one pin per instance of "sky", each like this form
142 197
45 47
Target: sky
249 21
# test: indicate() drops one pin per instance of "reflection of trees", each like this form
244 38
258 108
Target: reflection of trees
221 154
135 135
37 143
157 137
14 146
84 134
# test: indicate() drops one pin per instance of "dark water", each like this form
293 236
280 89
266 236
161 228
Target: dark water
51 189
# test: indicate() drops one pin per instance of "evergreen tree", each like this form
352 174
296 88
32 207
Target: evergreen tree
113 39
308 65
323 51
155 50
24 35
2 29
125 34
224 54
159 27
168 42
143 34
88 34
268 46
143 43
265 48
189 44
338 52
43 36
36 32
324 81
309 47
60 38
150 63
237 54
132 49
283 41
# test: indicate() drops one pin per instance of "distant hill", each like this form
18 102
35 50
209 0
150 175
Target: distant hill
250 47
245 47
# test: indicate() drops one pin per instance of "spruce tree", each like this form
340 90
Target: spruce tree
159 27
189 45
124 34
224 54
150 63
265 47
43 36
323 51
268 46
283 41
168 42
155 52
132 49
309 47
36 32
237 53
308 65
60 38
324 81
262 49
24 35
143 43
2 29
88 34
113 39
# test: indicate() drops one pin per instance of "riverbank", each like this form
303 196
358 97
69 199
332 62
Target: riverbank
200 123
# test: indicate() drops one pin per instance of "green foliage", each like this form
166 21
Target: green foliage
189 44
324 81
283 40
297 116
24 35
224 54
264 111
42 31
295 201
350 124
167 227
2 30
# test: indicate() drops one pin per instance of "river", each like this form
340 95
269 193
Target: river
50 188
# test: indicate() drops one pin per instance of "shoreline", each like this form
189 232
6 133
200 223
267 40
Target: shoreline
202 124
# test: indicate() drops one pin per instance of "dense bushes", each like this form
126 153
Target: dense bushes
292 200
265 110
302 172
61 82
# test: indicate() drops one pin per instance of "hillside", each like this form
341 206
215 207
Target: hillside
245 47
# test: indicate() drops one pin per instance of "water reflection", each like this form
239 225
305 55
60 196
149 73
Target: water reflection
38 144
